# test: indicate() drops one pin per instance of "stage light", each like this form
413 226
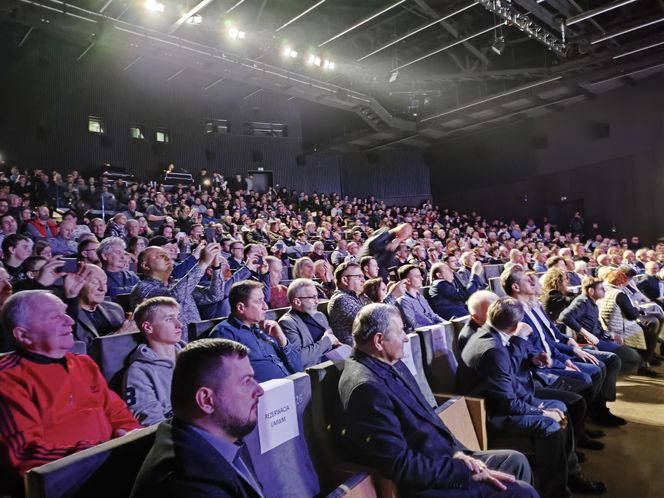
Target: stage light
195 19
498 45
311 59
154 6
236 34
317 61
331 66
289 52
328 65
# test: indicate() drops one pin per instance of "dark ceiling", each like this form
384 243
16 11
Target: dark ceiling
412 71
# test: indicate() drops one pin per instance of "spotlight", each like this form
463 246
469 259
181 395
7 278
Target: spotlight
328 65
195 19
311 59
154 6
498 46
331 66
289 52
317 61
393 77
236 34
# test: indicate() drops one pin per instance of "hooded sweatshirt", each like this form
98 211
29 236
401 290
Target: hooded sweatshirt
147 385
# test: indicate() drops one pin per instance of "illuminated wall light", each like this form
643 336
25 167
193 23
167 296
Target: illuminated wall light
154 6
317 61
311 59
331 66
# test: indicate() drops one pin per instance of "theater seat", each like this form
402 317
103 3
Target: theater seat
196 330
123 300
494 285
357 486
492 271
437 356
287 471
276 313
111 353
107 470
322 307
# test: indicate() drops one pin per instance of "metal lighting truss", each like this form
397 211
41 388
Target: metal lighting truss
505 10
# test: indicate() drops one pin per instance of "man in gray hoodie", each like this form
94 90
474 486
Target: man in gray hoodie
147 381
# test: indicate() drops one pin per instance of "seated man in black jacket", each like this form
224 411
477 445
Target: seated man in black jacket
447 296
389 423
200 451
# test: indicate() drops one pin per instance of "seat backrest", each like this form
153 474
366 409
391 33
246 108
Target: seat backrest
456 416
412 357
322 307
437 356
79 347
106 470
278 312
492 271
286 471
494 285
111 353
124 300
196 330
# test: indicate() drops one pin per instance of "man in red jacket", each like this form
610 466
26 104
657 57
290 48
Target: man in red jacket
52 402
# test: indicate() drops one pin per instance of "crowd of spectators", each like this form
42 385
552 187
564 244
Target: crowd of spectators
114 257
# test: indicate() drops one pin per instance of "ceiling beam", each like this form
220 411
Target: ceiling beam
194 10
451 30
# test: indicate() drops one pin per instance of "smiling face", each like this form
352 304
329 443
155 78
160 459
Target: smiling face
96 287
48 329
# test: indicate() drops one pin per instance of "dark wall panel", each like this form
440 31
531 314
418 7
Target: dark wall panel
618 176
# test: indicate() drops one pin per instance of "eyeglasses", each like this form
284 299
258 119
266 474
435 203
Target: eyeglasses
307 297
359 275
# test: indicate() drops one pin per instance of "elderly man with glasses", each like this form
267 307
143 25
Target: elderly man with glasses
306 327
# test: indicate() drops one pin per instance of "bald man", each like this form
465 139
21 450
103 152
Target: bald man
94 316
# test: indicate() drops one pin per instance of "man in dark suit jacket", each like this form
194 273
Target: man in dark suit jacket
200 452
491 360
389 424
651 286
306 328
383 244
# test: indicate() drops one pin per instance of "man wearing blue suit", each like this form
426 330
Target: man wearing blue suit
389 424
492 359
596 369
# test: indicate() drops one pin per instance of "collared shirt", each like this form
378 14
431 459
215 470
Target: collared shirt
504 338
268 359
231 452
315 329
544 321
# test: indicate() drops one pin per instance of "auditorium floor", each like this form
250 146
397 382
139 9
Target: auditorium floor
632 464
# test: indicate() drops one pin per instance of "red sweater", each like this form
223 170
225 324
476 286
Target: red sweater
51 408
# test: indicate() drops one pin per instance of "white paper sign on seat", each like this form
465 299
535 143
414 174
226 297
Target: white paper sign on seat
277 414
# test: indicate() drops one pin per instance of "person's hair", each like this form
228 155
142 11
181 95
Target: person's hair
17 309
604 271
341 270
248 248
365 261
590 283
83 244
107 245
299 263
296 286
628 271
405 270
553 261
505 313
134 240
554 279
373 319
580 265
30 263
509 277
240 292
616 277
200 364
371 288
435 269
145 311
11 241
39 247
478 298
